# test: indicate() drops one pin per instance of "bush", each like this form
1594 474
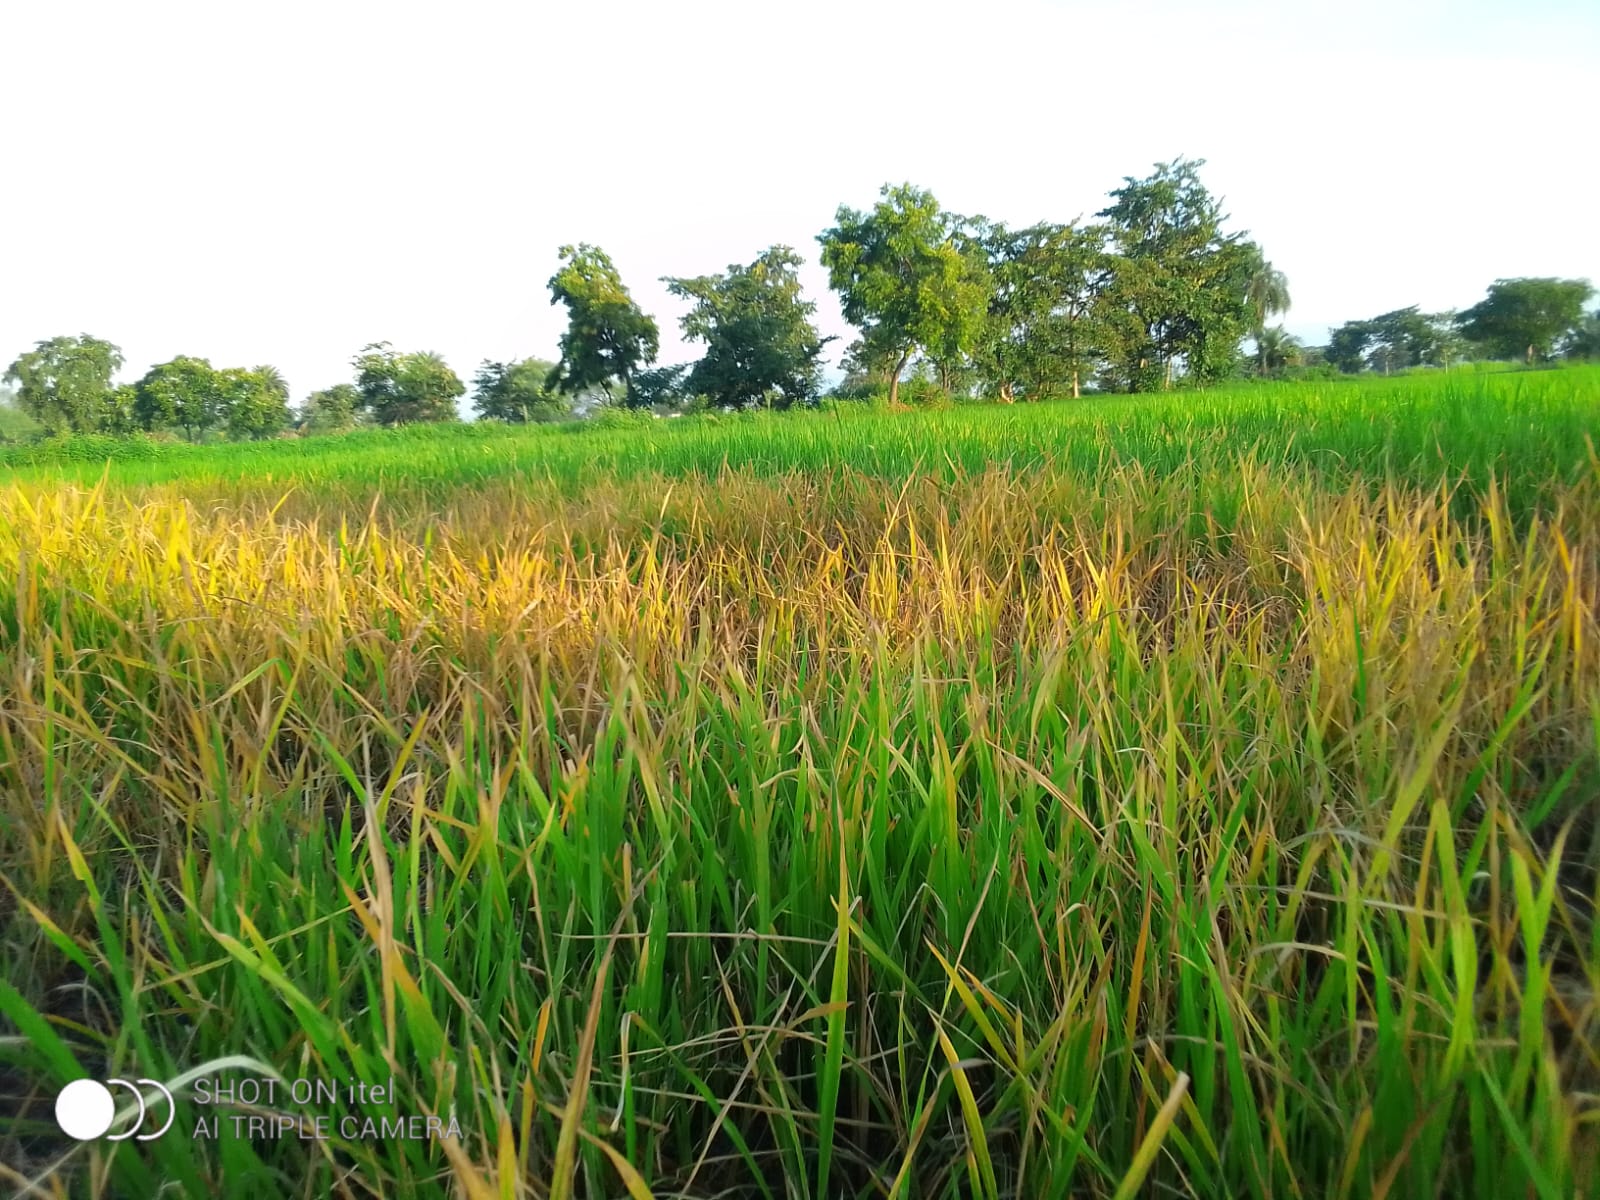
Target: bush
82 448
620 418
922 393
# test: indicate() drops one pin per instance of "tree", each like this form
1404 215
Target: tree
1348 345
1446 344
660 387
1179 285
332 409
761 347
117 410
1526 317
254 402
187 393
903 280
1267 293
403 389
1045 282
272 379
1276 349
1583 343
1400 339
64 383
608 337
517 392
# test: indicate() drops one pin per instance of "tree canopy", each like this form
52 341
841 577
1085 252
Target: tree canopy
1526 317
761 347
186 393
404 389
1039 335
903 280
609 337
1179 286
517 392
333 409
64 383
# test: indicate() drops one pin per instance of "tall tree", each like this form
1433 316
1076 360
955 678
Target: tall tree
1179 284
1583 343
187 393
1276 349
1040 333
660 387
517 392
1268 295
332 409
1401 339
255 403
117 410
903 280
1526 317
63 383
1446 345
609 337
761 347
1348 345
272 379
403 389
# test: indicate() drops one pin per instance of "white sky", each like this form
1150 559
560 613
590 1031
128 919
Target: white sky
282 183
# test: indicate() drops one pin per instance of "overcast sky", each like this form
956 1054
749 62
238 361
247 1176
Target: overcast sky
282 183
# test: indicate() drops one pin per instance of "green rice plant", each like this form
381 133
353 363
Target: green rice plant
1150 796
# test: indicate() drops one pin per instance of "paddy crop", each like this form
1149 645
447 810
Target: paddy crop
1150 797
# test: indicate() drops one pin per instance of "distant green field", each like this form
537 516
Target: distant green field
1139 796
1530 429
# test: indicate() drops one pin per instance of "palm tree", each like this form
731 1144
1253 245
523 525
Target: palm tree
274 381
1267 292
1276 348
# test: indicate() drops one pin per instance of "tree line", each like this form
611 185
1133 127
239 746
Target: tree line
1152 293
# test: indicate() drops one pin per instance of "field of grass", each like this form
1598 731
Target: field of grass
1139 797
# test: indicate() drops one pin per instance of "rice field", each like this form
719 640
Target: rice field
1182 796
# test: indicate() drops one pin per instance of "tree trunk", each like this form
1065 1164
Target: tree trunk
1167 386
1075 383
1530 356
894 379
1008 394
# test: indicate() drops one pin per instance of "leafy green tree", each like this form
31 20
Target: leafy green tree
255 403
903 280
1446 345
865 368
1267 293
661 387
405 389
609 337
332 409
117 411
1348 345
1276 349
1526 317
186 393
1400 339
517 392
761 347
1045 282
1583 343
1179 285
63 383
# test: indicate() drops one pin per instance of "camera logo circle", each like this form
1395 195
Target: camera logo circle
86 1109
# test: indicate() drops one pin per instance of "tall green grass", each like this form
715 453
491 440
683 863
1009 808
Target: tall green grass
1528 427
1106 801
